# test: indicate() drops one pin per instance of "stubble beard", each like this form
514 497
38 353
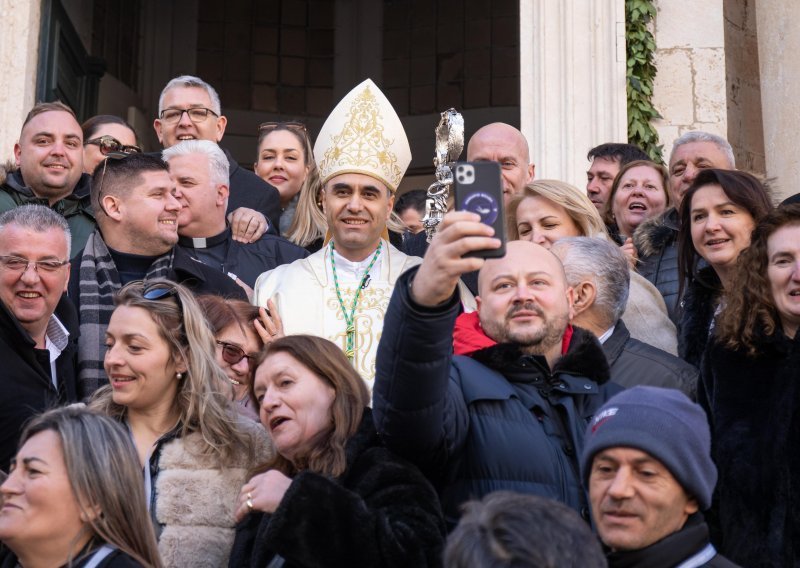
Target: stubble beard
537 340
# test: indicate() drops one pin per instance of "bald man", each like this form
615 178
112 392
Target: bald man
502 143
510 411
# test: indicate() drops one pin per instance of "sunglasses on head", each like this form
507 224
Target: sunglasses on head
232 354
288 125
110 146
159 291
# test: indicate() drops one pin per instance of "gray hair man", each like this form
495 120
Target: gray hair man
597 271
199 169
38 324
647 464
190 109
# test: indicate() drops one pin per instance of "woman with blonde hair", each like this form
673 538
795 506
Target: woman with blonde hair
548 210
75 497
286 160
168 390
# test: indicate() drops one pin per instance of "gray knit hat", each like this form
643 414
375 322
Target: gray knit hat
663 423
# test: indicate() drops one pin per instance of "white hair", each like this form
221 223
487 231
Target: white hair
701 136
191 81
38 218
603 263
218 165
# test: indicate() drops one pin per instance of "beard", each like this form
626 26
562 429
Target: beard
533 338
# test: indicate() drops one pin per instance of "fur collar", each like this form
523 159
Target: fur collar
584 358
5 170
656 233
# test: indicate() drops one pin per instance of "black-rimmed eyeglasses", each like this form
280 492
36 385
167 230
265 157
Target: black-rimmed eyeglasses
196 114
232 354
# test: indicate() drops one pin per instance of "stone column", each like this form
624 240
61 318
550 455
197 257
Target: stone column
19 56
778 45
572 82
690 88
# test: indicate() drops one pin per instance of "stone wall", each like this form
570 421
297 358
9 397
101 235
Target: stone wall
745 124
690 87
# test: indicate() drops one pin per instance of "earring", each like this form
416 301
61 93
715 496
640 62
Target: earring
179 376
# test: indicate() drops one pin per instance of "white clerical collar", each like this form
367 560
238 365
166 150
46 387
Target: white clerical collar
603 338
354 270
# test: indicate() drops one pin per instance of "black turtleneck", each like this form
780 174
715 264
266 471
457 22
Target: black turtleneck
131 266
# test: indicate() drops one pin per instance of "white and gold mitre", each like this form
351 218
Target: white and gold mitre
363 135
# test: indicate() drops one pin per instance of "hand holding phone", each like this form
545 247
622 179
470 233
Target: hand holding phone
479 189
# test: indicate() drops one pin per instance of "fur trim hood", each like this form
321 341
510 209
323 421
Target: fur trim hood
5 170
656 233
583 358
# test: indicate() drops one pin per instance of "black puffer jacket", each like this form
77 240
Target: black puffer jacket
753 406
495 420
635 363
656 241
380 512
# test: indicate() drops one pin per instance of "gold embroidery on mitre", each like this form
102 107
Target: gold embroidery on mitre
361 144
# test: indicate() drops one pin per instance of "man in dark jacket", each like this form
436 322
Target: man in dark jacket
509 416
190 109
598 273
647 464
137 216
48 169
38 324
199 169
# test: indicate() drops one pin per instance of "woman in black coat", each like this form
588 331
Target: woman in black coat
333 495
717 216
750 388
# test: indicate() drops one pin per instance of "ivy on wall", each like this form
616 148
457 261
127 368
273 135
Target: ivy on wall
641 71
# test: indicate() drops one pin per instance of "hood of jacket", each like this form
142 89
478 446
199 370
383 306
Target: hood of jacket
656 233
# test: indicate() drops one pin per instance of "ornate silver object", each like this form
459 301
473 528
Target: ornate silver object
449 144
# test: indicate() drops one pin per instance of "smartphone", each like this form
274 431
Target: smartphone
479 189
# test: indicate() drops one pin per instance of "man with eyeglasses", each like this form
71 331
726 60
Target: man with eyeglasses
38 324
137 207
48 166
190 109
199 169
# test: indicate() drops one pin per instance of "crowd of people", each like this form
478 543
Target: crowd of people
212 366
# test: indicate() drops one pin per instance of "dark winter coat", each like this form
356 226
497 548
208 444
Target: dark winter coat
495 420
753 406
26 388
246 260
380 512
76 208
249 190
634 363
699 305
675 549
656 242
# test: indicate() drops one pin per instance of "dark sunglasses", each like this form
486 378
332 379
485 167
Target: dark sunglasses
110 146
159 291
232 354
288 125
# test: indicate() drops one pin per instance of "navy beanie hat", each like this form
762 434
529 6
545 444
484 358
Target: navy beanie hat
663 423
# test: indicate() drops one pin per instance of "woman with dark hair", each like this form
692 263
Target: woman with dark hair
717 216
332 495
240 331
168 390
750 389
106 135
74 496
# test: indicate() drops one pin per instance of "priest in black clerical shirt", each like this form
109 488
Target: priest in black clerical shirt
199 169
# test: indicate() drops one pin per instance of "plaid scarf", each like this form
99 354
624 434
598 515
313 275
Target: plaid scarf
99 283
